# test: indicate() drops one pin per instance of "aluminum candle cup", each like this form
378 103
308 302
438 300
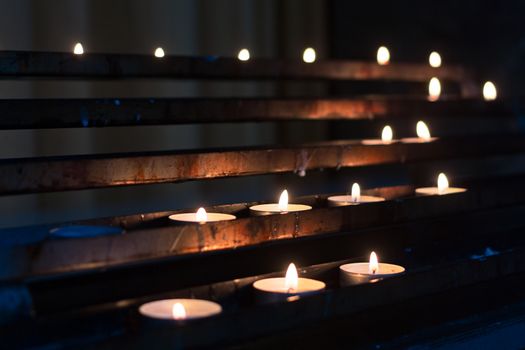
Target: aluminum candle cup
179 310
201 216
278 208
358 273
281 288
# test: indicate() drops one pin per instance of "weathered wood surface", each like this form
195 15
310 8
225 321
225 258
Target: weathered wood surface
81 113
18 64
50 174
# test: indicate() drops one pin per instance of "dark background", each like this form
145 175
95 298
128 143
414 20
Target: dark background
486 36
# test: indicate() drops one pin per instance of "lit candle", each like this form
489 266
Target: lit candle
387 137
354 198
434 59
442 187
280 288
78 49
201 216
309 55
159 52
489 91
282 207
434 89
383 56
244 55
179 309
372 271
423 134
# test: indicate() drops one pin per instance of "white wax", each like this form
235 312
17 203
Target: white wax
373 142
418 140
335 201
195 309
356 273
273 208
432 191
192 217
276 285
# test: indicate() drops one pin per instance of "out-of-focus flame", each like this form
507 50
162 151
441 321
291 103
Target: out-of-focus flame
442 183
387 135
422 131
356 193
78 49
178 312
373 265
283 201
489 91
434 89
159 52
383 56
201 215
434 59
244 55
291 279
309 55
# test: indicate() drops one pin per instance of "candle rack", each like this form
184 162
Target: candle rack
466 244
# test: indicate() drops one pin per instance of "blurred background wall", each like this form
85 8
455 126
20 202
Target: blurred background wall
487 35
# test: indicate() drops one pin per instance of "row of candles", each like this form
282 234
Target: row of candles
291 285
281 288
383 58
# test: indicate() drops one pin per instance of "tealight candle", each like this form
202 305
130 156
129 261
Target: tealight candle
489 91
354 198
201 216
387 137
423 134
434 89
282 207
159 52
281 288
442 187
78 49
309 55
244 55
434 59
362 272
383 56
180 309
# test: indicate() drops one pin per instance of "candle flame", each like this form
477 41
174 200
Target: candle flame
422 131
309 55
373 265
201 215
434 89
283 201
78 49
291 279
442 183
489 91
356 193
159 52
178 311
387 135
244 55
383 56
434 59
